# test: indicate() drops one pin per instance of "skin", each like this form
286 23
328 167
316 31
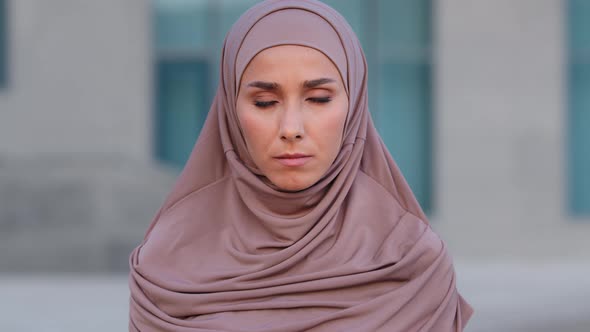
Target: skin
292 107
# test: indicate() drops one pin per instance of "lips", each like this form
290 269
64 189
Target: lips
293 160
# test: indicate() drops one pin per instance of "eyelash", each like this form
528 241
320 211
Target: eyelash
320 100
265 104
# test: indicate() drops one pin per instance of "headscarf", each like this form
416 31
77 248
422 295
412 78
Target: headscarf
229 251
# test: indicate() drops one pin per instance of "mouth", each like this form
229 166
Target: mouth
293 160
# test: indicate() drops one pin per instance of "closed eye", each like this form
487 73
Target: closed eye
320 100
265 104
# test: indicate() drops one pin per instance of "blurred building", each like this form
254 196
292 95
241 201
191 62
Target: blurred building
484 105
78 179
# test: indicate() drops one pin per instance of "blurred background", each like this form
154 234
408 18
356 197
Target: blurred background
484 104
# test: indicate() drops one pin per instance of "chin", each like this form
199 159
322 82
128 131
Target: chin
292 184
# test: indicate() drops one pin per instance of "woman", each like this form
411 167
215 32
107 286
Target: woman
290 214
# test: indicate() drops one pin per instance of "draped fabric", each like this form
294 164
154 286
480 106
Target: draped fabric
229 251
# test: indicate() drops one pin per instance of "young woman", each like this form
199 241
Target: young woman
290 214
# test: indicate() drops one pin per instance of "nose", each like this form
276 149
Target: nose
291 126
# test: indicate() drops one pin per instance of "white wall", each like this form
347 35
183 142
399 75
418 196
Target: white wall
79 79
500 130
78 183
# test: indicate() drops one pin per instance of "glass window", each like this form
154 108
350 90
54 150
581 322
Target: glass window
579 106
188 40
183 65
403 104
181 102
396 38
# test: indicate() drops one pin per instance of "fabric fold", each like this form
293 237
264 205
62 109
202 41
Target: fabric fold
229 251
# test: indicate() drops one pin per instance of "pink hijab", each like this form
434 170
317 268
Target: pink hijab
228 251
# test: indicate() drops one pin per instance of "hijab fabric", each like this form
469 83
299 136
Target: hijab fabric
229 251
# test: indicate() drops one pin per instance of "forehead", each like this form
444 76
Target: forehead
279 61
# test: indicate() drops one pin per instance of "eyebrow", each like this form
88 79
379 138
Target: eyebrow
315 83
271 86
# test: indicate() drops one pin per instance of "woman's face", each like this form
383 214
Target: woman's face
292 107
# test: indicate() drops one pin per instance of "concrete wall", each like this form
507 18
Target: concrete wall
79 79
500 124
78 185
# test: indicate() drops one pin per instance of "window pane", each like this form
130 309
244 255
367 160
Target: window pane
396 38
182 24
182 107
403 110
579 12
404 29
579 107
580 138
185 39
404 122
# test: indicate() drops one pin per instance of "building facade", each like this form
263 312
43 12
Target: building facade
484 105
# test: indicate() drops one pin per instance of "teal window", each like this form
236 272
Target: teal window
396 37
403 104
182 64
3 43
188 39
182 102
579 107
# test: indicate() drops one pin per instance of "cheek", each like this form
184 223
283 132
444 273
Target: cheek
332 129
256 130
